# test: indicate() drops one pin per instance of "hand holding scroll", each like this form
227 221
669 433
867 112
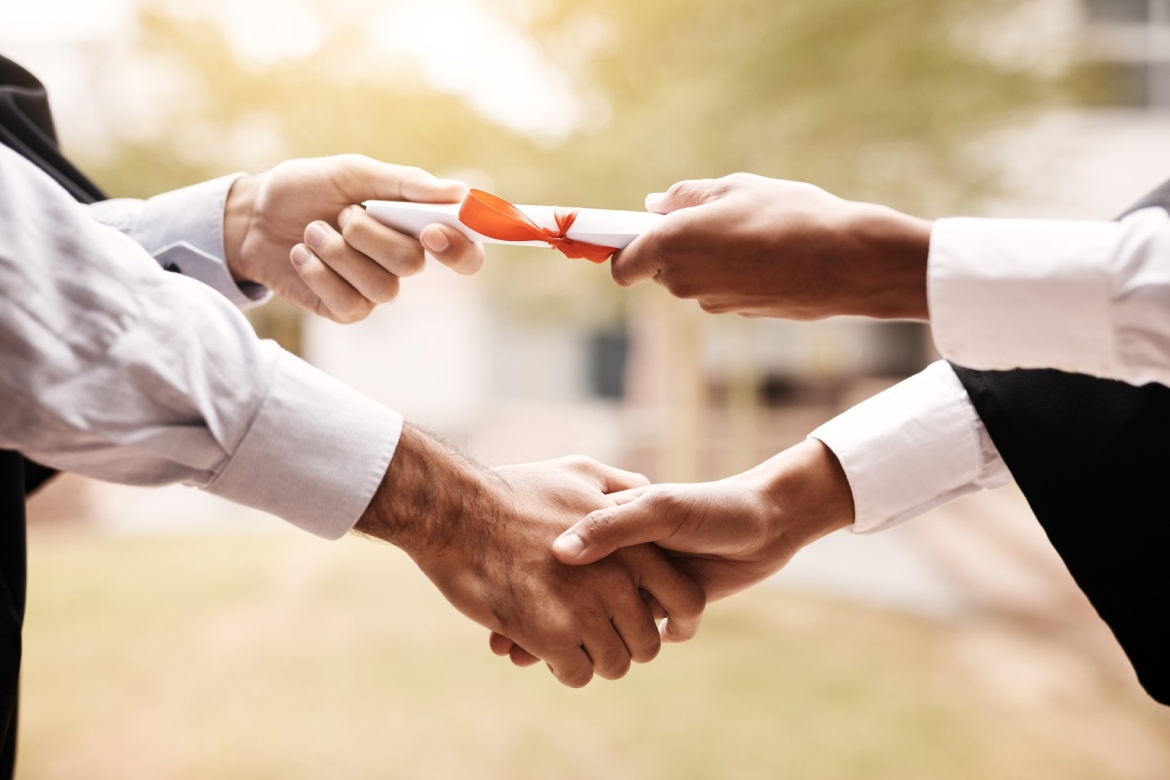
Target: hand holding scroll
769 248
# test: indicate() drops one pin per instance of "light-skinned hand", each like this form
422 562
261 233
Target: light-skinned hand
299 230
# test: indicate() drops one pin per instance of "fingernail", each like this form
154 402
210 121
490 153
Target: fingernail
315 235
570 544
300 255
654 199
344 216
435 241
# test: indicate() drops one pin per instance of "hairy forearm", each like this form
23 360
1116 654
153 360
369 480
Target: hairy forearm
430 495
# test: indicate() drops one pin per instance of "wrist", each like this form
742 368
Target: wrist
238 217
894 249
806 494
430 497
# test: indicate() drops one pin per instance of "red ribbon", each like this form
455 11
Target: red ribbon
496 218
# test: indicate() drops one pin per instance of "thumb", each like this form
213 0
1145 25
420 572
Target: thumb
421 187
685 194
606 530
377 180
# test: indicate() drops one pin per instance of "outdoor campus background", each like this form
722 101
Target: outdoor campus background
172 636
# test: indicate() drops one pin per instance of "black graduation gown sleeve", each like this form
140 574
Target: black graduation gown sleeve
1092 456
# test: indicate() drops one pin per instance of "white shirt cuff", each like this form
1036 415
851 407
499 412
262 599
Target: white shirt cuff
183 231
912 448
314 454
1023 293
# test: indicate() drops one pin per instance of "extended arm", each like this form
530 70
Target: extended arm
1083 297
892 457
296 230
116 369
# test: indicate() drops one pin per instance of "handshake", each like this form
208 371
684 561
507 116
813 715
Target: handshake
572 562
116 370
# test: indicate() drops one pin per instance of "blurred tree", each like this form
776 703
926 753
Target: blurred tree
873 100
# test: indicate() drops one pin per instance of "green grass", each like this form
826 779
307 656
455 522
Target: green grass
285 657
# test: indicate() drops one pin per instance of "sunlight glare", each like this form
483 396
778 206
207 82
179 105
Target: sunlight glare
465 48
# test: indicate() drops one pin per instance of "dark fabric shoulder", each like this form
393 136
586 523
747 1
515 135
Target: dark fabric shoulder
26 127
1090 455
1159 197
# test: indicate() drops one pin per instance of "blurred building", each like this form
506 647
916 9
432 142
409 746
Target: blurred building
447 354
1129 42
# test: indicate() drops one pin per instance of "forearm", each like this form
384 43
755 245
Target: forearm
430 495
115 369
805 492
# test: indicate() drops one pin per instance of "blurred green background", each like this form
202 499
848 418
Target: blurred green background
288 658
173 638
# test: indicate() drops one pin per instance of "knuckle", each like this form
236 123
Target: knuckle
670 239
413 261
355 162
387 289
358 228
679 287
353 311
329 245
623 267
600 523
660 500
615 664
412 174
580 463
649 648
688 188
692 603
679 188
576 679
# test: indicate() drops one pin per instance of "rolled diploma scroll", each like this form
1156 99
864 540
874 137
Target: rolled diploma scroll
606 227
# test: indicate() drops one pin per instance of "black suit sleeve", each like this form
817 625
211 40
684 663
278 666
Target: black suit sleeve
1092 458
26 127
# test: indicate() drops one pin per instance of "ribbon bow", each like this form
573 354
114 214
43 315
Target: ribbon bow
496 218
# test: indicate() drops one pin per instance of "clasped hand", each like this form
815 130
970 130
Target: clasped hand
725 535
484 538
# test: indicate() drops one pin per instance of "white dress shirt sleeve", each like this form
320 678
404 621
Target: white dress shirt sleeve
1082 297
113 368
912 448
183 231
